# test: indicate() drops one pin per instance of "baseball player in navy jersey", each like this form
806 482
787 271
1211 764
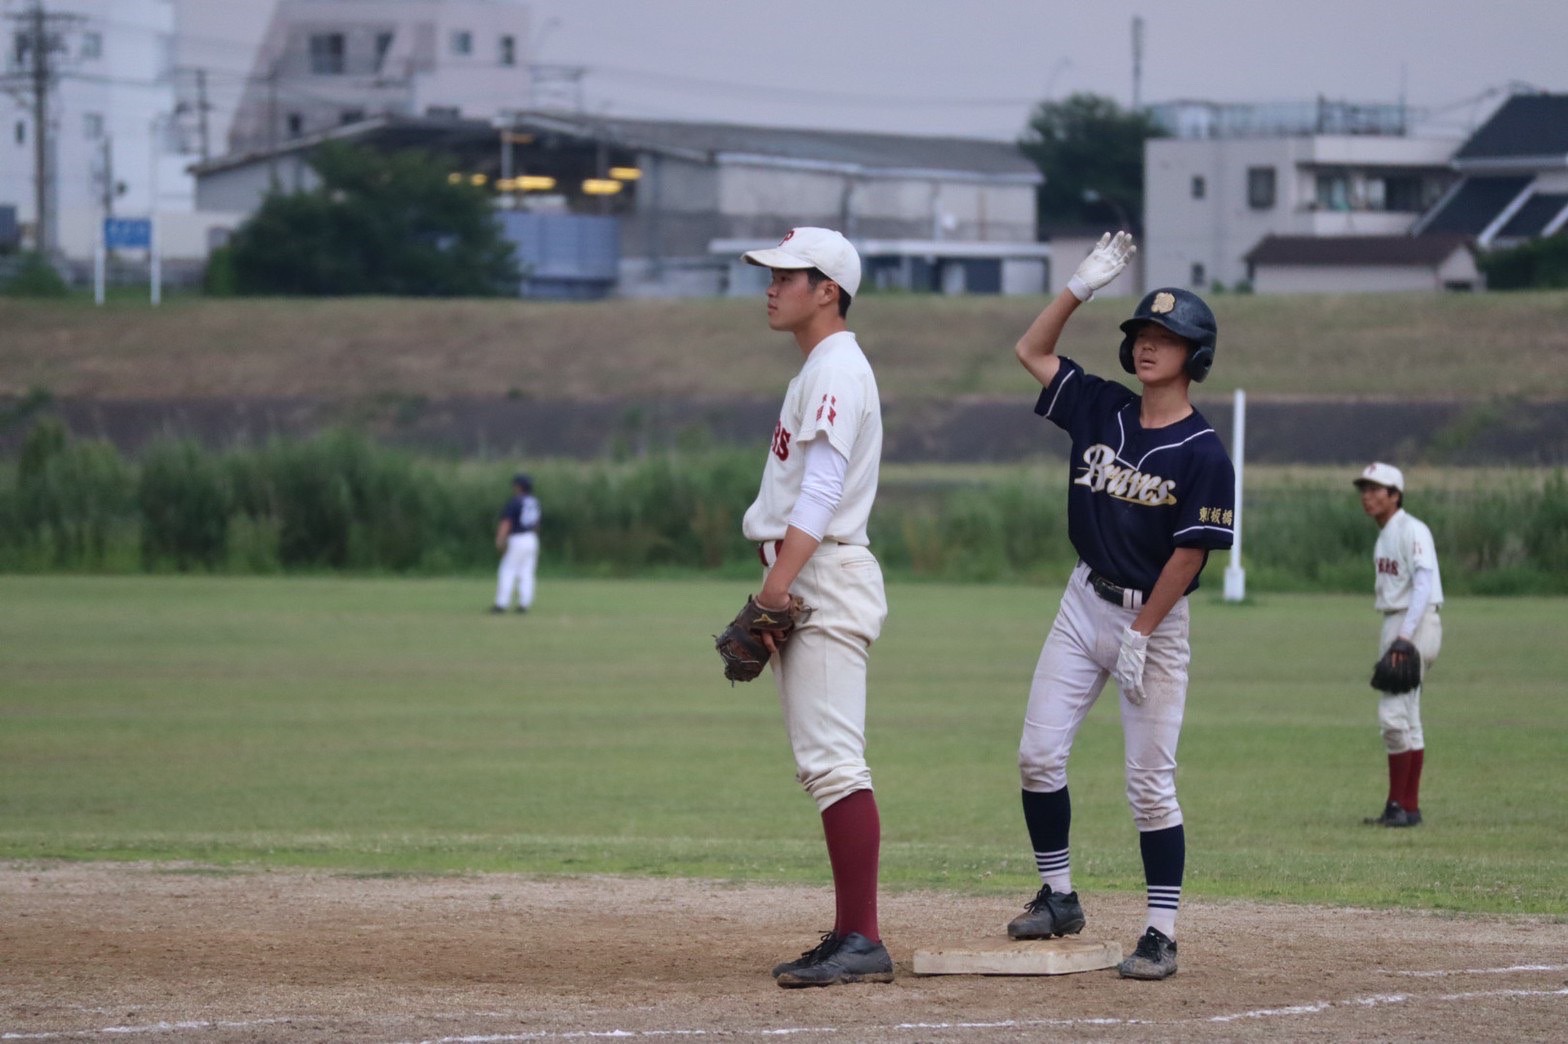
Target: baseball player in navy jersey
517 538
1150 494
809 523
1409 594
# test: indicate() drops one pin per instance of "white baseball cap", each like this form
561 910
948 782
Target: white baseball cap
1383 475
820 248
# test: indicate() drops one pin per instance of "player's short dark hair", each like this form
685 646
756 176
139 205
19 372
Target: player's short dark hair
815 276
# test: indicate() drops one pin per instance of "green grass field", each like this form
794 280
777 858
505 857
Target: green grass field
390 726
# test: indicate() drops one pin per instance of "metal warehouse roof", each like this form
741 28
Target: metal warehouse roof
889 153
850 151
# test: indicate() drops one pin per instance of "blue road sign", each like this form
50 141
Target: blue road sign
127 233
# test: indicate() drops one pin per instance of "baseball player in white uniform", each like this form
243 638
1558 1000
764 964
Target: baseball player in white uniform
517 538
809 524
1409 594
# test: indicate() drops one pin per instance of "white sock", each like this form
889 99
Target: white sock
1055 870
1163 901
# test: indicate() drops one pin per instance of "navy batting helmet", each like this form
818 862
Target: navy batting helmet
523 482
1183 313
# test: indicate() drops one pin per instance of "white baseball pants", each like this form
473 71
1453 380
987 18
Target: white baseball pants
1076 661
1400 716
821 671
516 572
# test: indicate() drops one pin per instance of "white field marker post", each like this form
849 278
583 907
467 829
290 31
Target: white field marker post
1235 575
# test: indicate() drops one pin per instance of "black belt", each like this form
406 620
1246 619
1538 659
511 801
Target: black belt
1116 594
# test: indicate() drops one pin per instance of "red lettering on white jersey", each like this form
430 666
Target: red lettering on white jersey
781 437
830 404
1389 566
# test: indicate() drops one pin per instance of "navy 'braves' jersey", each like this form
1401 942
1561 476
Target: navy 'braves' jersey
1134 496
523 511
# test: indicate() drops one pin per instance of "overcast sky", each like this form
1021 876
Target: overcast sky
977 67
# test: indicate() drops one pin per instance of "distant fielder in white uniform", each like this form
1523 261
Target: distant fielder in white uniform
517 538
809 523
1409 594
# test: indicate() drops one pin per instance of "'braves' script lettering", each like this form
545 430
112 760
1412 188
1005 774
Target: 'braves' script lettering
1102 473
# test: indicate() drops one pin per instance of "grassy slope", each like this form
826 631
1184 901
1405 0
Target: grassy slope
385 726
1404 345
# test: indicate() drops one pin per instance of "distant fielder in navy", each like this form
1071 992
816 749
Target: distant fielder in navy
1151 492
517 538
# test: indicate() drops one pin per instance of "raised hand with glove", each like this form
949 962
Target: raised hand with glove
1105 262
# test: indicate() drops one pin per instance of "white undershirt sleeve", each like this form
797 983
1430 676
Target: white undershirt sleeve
821 488
1420 597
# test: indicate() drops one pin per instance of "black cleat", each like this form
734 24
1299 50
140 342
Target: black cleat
854 958
828 944
496 610
1048 913
1154 957
1393 816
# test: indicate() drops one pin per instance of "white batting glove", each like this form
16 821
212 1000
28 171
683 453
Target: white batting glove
1104 263
1129 666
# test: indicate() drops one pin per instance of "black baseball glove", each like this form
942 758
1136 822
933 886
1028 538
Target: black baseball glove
742 645
1399 671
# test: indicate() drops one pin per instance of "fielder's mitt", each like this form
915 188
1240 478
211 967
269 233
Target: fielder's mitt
741 646
1399 671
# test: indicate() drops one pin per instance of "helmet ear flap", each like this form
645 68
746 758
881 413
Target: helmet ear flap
1199 362
1126 355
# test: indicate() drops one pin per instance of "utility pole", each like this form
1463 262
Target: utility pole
201 114
39 36
1137 63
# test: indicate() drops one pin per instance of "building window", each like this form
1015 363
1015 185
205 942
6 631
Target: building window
92 125
1200 187
21 133
1199 274
326 54
383 45
1333 192
92 45
508 50
296 124
351 116
1405 194
462 42
1260 188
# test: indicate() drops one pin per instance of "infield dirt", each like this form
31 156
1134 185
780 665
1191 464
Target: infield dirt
160 952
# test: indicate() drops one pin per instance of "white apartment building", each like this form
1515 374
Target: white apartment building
328 63
111 141
1232 175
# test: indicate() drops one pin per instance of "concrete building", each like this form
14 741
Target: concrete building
326 63
108 139
134 90
931 214
1232 175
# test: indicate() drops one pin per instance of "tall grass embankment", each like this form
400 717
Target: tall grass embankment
341 503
